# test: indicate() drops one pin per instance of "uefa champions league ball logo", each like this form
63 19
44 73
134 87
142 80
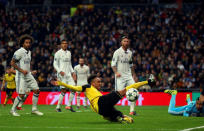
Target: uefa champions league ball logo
52 98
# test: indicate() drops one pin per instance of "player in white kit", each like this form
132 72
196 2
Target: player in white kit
123 68
63 66
82 72
24 78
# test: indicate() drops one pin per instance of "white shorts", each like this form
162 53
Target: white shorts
66 79
121 83
25 84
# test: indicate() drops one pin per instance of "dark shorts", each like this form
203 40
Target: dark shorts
106 106
9 91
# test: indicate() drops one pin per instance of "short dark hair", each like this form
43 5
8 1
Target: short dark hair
81 57
25 37
124 37
91 78
63 41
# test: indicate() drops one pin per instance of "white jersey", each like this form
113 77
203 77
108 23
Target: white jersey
122 60
23 59
82 73
62 62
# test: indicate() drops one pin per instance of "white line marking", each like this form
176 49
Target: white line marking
189 129
29 113
86 128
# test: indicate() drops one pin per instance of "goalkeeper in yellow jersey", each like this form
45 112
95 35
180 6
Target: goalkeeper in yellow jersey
9 81
104 104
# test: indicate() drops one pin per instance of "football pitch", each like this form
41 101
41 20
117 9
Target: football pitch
149 118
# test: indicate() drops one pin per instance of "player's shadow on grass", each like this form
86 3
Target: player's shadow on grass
101 122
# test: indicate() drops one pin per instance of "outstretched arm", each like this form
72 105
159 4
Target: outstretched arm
74 88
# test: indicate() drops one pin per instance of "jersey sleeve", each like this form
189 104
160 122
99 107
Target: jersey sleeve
114 59
17 56
56 62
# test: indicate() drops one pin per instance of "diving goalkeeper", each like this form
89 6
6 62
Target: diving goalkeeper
104 104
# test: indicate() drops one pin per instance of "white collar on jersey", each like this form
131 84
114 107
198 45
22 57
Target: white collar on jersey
63 50
26 51
126 52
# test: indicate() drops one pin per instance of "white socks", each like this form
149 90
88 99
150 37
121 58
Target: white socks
16 102
23 100
71 96
85 101
61 96
35 101
78 99
132 106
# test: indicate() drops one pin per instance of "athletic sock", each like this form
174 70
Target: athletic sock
132 106
35 101
23 100
85 101
61 96
137 85
78 100
16 102
71 97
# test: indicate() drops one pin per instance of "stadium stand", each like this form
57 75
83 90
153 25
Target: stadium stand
165 42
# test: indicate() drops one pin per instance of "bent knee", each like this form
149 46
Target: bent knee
63 90
21 95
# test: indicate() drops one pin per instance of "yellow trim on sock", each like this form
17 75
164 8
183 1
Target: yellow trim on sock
137 85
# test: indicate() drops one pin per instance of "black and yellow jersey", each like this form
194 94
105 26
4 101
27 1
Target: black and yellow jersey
10 80
93 95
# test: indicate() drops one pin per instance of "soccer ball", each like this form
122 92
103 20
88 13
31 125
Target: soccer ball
132 94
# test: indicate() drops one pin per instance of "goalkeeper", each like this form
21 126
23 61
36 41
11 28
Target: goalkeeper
193 108
104 104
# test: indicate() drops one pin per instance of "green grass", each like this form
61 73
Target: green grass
149 118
